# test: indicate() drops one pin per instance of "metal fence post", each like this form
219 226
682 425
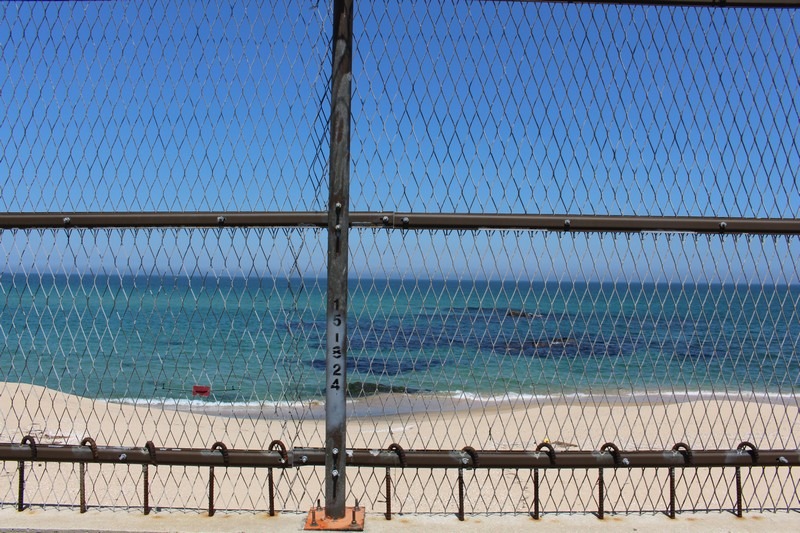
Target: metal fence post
338 226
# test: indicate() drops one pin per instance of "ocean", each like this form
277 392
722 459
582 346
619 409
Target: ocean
256 341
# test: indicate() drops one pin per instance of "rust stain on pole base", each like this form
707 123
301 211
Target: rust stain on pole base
353 520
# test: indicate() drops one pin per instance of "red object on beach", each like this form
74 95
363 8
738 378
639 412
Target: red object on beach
201 390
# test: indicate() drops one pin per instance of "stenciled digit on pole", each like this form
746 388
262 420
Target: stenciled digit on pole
338 226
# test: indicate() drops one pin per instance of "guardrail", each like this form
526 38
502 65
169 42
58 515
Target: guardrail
543 458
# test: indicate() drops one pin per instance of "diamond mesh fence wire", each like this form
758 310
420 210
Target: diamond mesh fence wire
639 360
527 107
495 339
96 323
164 107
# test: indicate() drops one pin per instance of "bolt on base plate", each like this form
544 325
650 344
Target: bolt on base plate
353 520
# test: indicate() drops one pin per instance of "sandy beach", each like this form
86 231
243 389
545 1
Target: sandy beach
415 422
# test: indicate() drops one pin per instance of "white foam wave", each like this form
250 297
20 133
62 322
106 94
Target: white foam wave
647 397
183 403
650 397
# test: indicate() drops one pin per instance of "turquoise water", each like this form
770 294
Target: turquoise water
262 340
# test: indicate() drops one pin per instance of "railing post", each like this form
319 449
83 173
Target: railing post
338 226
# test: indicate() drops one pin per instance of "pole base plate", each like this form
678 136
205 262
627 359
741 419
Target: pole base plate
353 520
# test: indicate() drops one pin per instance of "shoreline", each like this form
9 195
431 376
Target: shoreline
394 403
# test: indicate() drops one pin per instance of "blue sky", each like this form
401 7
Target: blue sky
458 107
122 106
578 109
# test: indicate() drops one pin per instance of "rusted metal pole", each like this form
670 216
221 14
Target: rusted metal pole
601 494
338 226
281 447
21 492
146 489
460 494
388 513
271 493
671 510
211 509
87 441
738 491
31 443
82 486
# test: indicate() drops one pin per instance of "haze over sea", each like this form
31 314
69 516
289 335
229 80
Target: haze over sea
256 341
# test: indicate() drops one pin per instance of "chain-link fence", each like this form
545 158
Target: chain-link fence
570 224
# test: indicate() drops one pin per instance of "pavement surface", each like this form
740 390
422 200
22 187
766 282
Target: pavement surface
63 520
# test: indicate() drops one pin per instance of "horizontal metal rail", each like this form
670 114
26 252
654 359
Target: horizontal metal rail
161 220
278 456
410 221
678 3
407 459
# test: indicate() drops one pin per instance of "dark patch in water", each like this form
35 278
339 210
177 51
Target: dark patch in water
496 313
357 389
693 351
557 347
487 330
381 366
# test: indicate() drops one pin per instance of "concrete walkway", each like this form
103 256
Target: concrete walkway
121 521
